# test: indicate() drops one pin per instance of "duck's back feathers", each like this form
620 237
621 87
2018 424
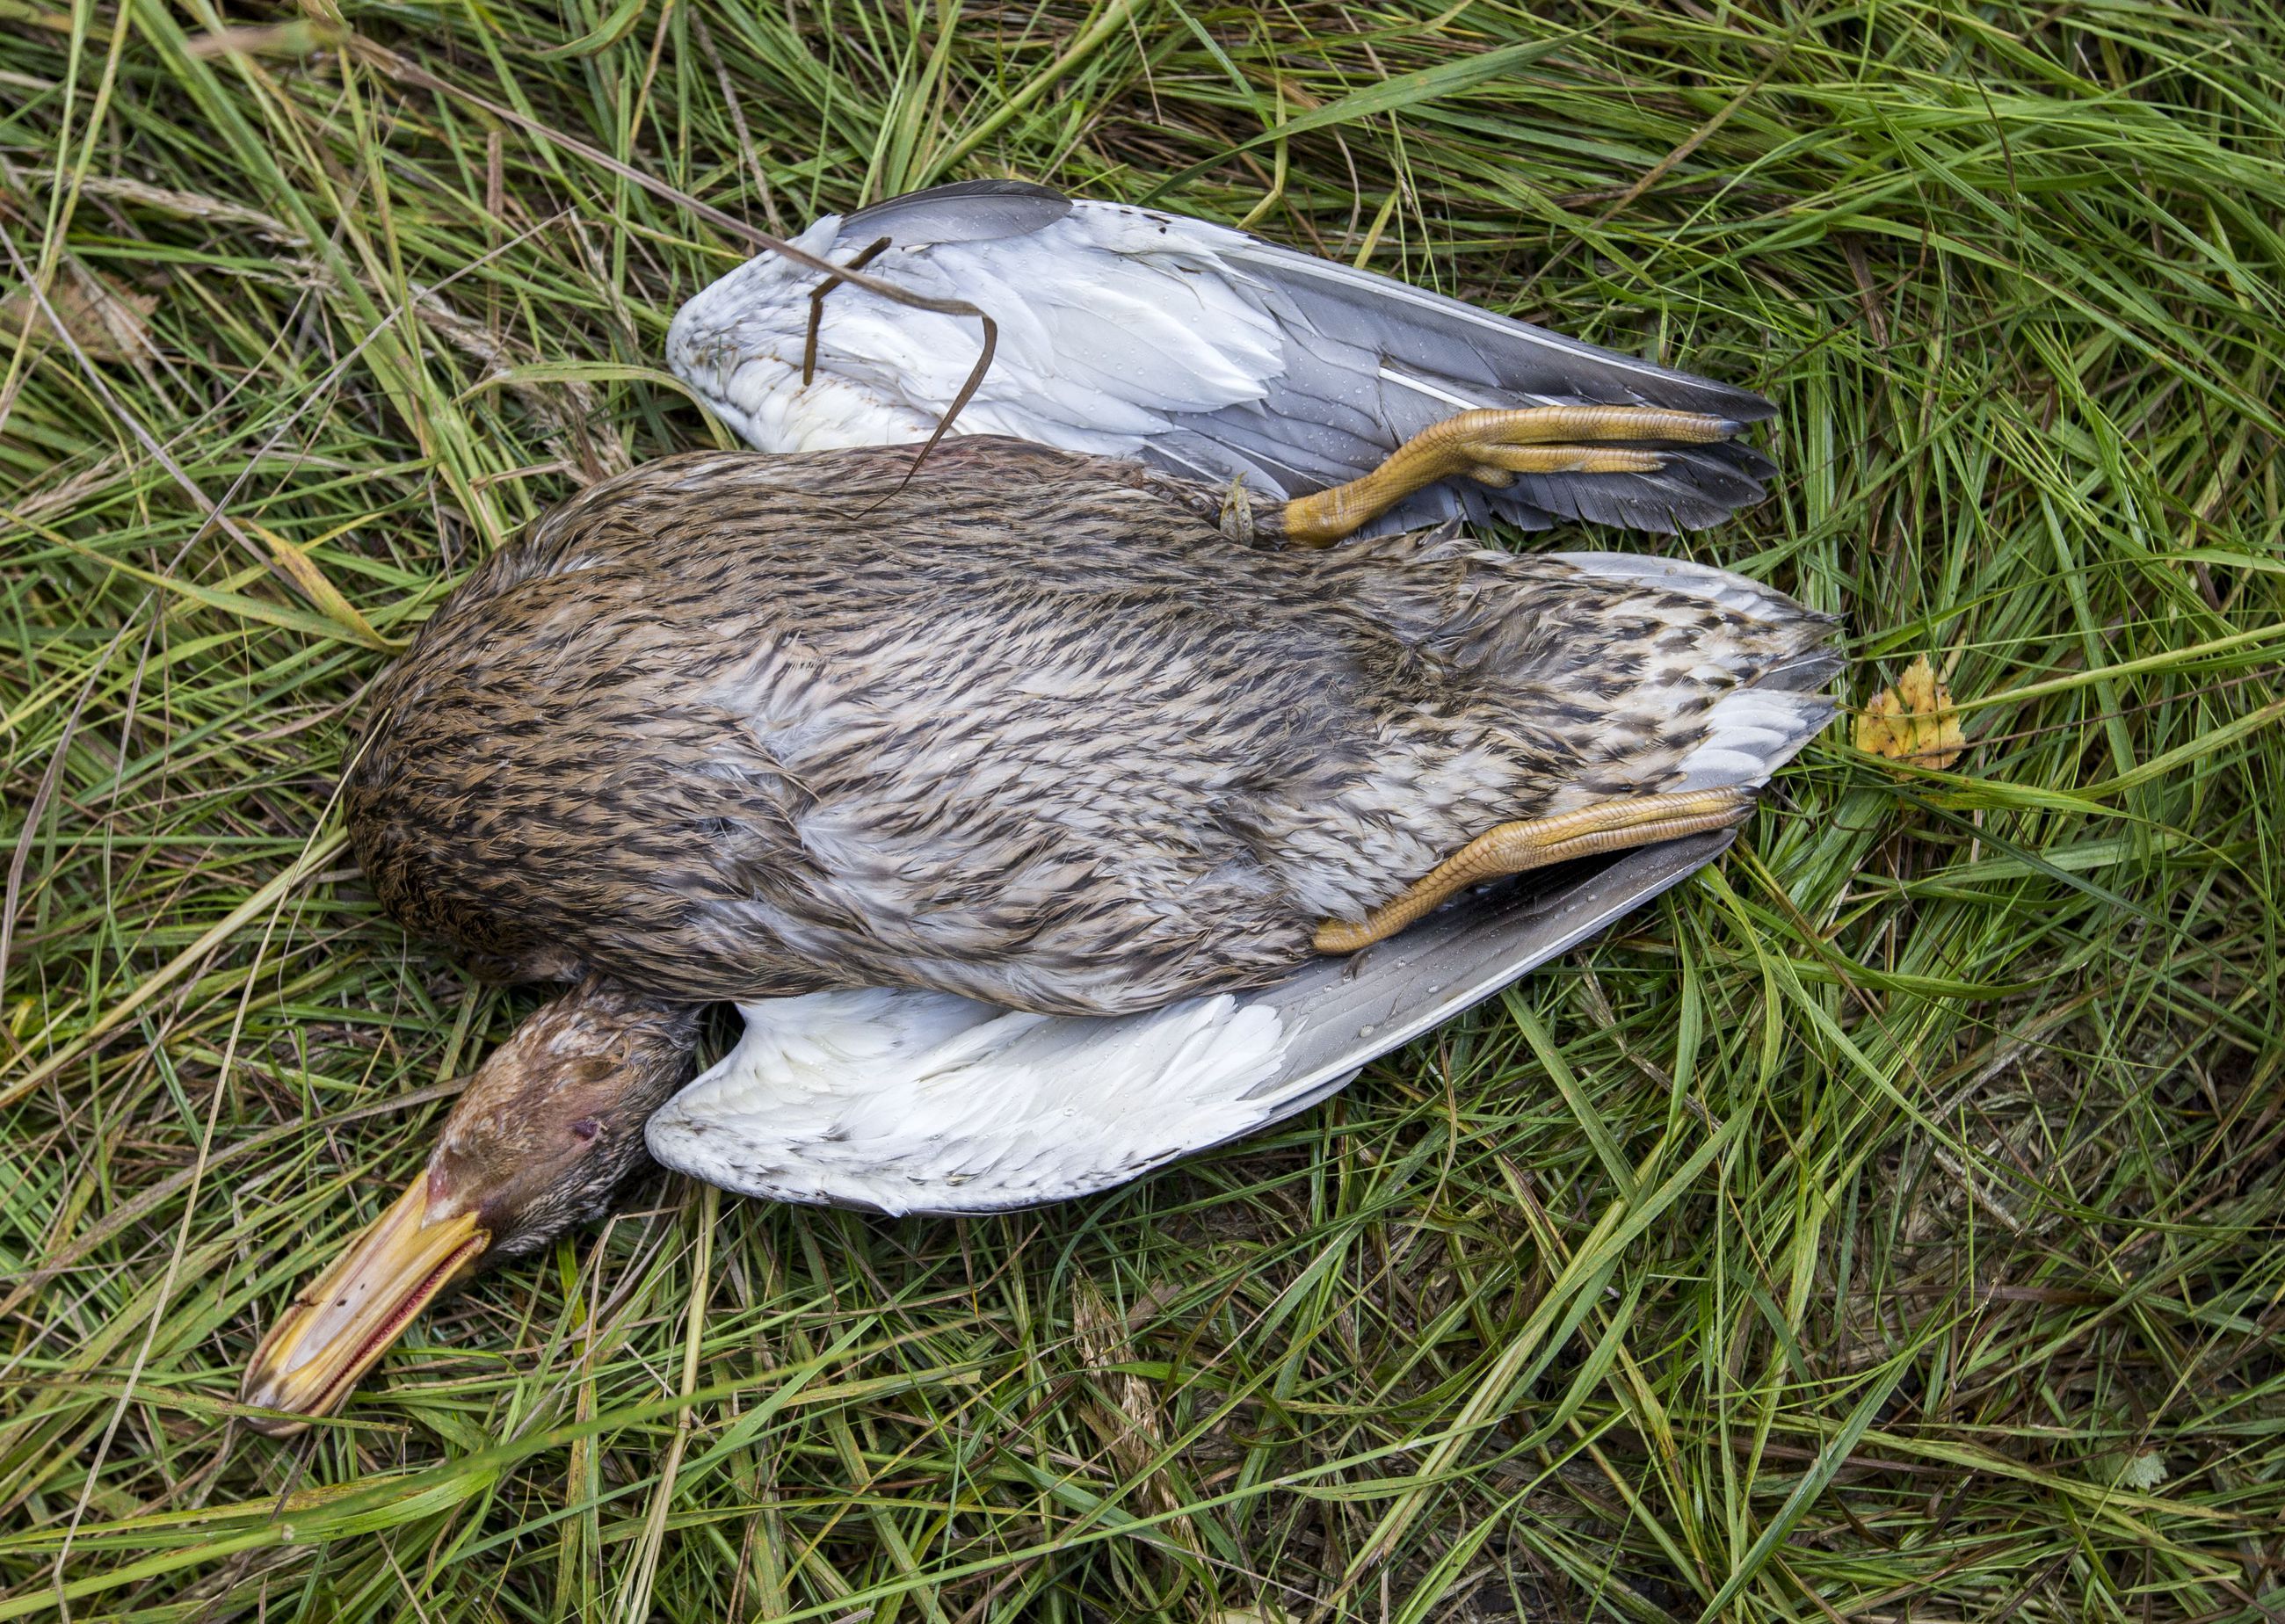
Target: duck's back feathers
1028 730
1131 331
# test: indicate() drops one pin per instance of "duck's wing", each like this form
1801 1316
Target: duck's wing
899 1101
1130 332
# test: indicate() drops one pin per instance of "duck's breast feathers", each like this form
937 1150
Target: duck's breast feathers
1135 332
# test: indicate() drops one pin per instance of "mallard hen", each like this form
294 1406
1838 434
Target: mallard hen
988 791
904 763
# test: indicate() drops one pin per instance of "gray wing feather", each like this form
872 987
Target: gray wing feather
1367 362
1373 362
1350 1012
966 211
1462 344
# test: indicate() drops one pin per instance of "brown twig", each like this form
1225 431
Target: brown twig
817 307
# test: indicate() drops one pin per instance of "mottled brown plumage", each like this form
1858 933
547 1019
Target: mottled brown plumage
1029 728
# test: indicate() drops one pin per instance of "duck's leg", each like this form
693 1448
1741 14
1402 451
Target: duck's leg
1512 848
1492 447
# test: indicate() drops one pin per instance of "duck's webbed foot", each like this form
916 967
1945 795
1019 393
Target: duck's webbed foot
1537 843
1492 447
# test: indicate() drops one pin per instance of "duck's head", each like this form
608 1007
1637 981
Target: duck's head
550 1126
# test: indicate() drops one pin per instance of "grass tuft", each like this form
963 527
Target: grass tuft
1883 1228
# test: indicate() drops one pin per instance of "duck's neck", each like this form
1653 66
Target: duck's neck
552 1122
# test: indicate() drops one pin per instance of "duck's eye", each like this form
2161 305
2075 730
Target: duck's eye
585 1129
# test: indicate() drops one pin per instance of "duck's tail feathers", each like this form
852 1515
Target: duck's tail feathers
1750 735
1778 705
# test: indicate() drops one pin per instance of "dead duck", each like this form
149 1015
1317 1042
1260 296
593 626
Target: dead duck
988 794
907 763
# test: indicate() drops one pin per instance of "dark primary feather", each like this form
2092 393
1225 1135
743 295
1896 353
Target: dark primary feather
1373 361
1027 729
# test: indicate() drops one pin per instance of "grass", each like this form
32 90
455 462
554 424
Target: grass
1885 1227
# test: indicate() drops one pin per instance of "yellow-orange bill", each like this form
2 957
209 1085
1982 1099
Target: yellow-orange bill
347 1318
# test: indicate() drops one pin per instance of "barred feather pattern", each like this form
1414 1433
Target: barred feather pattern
1025 727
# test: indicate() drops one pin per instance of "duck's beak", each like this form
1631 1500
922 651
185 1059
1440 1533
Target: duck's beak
347 1318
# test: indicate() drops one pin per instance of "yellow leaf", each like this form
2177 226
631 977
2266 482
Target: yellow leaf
1913 721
